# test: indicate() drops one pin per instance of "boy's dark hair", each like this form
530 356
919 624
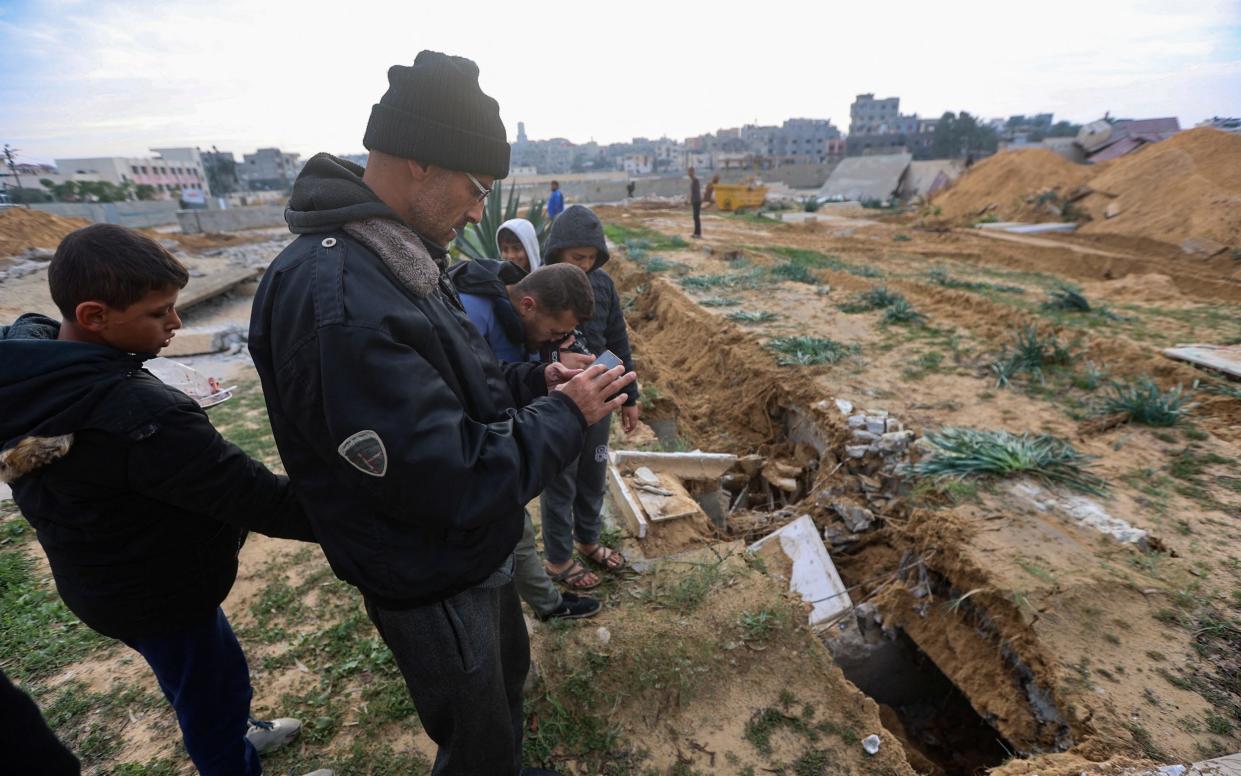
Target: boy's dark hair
556 184
110 264
560 287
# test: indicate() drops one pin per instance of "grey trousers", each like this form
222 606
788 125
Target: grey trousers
464 660
572 503
533 585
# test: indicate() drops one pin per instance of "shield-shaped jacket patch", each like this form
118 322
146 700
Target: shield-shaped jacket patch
365 452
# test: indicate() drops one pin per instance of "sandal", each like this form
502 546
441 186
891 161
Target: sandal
572 577
605 558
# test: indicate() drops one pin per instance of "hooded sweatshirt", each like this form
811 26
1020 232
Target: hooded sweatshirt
139 503
482 285
580 227
415 451
524 231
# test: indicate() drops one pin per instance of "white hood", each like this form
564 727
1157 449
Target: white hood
529 240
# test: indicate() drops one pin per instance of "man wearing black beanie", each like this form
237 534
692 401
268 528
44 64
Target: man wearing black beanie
413 449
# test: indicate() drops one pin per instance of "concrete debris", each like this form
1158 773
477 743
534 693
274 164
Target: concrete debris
813 575
645 475
1112 210
195 341
21 269
871 744
36 254
695 465
857 518
1085 511
895 442
604 635
857 451
845 407
1229 765
750 465
1222 358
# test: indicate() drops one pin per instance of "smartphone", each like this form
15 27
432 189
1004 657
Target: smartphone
608 359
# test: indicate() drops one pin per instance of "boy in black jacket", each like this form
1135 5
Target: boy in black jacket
139 503
571 504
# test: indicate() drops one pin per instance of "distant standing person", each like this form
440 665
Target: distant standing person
630 187
708 196
695 201
555 203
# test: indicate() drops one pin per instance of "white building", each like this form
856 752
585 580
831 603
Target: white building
174 170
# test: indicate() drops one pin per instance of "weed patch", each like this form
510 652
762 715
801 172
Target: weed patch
806 351
966 452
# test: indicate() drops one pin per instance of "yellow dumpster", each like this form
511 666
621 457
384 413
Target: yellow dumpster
732 196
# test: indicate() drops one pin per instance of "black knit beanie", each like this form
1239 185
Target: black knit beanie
436 112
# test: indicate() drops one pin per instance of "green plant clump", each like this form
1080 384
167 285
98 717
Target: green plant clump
967 452
1143 402
1030 353
805 351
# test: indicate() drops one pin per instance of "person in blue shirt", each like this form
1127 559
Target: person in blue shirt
555 203
519 314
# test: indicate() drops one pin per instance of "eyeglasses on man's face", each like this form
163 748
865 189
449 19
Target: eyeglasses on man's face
483 191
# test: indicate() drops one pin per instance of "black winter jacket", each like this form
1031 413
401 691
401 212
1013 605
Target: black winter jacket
392 415
139 503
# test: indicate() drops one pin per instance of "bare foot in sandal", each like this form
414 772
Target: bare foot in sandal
573 575
605 558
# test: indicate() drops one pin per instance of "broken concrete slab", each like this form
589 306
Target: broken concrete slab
212 284
1083 510
1019 227
858 519
812 575
1222 358
690 466
200 340
627 503
1228 765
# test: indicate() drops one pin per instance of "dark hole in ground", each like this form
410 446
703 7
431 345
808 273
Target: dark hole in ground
940 724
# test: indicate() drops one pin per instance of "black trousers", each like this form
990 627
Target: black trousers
464 660
697 219
28 744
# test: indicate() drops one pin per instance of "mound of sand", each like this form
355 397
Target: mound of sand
1009 184
1188 186
23 228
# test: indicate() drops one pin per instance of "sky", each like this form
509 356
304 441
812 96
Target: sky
103 78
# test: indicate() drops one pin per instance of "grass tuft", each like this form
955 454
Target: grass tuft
1030 353
1143 402
805 351
746 316
967 452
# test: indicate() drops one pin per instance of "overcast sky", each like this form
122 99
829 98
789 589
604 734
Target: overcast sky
100 78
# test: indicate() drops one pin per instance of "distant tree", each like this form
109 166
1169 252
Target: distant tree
63 192
958 135
28 196
145 192
1064 129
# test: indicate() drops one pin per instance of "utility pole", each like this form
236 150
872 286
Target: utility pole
10 155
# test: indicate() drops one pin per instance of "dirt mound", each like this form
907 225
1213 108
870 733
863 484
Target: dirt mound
23 228
1010 184
1188 186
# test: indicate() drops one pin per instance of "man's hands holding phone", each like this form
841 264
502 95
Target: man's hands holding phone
591 388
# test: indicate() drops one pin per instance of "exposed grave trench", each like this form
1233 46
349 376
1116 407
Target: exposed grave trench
960 678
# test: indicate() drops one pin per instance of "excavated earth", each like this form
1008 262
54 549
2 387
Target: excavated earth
1071 651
